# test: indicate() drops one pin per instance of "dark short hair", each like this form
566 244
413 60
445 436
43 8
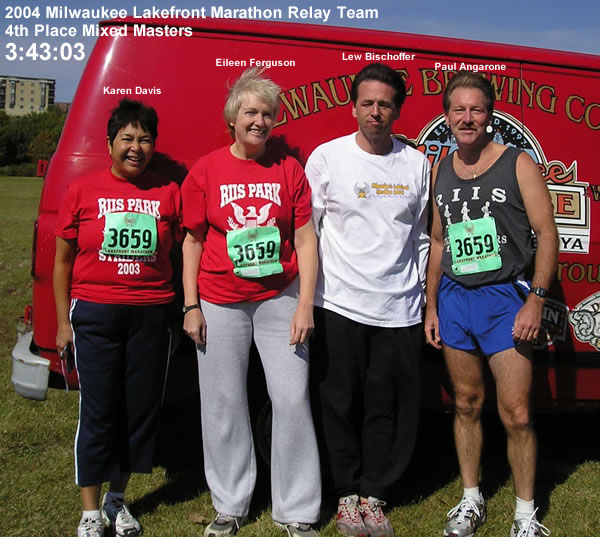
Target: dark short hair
382 73
134 113
469 79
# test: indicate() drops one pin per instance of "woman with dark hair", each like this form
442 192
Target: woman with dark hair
113 290
250 263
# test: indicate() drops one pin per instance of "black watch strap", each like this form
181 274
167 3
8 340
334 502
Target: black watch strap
190 308
539 291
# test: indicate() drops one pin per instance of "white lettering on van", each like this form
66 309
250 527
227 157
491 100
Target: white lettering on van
116 91
294 12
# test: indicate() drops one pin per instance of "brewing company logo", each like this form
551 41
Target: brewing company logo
585 319
571 205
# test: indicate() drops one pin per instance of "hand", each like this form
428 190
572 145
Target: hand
528 320
432 329
194 325
302 325
64 337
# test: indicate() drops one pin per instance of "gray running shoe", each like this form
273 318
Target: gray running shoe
297 529
528 527
375 520
349 517
90 527
116 514
465 518
225 525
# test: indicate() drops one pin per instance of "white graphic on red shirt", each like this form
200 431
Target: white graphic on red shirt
250 218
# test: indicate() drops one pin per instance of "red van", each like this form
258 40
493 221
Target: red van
547 104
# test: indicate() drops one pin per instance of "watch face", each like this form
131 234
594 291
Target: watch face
539 291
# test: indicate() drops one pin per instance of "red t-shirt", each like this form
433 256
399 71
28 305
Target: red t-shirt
223 193
113 278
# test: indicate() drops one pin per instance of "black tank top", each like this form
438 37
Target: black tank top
494 193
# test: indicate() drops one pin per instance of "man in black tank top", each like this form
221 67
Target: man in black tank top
489 197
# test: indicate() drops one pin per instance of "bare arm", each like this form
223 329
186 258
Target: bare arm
194 324
434 271
61 280
305 243
540 213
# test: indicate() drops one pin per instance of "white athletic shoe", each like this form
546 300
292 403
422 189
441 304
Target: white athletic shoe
528 527
90 527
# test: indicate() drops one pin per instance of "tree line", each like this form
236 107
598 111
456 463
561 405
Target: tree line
26 139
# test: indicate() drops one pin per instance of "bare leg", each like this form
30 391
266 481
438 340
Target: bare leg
512 372
466 373
90 497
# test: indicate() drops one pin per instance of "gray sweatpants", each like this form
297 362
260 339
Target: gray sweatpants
229 459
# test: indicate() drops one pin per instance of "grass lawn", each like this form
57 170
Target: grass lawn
38 496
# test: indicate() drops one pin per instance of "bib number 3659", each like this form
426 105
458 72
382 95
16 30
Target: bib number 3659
254 252
129 234
474 246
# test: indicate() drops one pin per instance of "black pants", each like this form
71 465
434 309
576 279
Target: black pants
121 354
367 401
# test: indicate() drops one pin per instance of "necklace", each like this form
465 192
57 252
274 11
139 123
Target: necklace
472 169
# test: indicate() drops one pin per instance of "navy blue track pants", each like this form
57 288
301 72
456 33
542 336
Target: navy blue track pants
121 352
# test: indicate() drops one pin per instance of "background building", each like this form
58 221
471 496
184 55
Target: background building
20 95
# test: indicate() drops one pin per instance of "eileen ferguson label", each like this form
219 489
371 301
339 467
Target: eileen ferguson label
254 62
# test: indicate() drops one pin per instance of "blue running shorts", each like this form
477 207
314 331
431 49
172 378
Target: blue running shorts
479 317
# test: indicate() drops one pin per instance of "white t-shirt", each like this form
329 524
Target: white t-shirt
370 213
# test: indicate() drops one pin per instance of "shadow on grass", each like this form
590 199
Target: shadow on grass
179 442
565 442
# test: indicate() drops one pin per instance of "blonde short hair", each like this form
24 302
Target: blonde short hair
250 81
469 79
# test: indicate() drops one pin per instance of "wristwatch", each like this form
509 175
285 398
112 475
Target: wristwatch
190 308
539 291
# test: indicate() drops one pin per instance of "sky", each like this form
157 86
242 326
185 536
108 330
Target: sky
551 24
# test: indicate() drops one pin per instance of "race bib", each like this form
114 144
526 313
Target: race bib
129 234
254 251
474 246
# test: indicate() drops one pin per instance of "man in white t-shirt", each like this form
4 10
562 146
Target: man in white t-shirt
370 195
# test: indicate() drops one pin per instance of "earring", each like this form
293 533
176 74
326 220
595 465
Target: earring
489 129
